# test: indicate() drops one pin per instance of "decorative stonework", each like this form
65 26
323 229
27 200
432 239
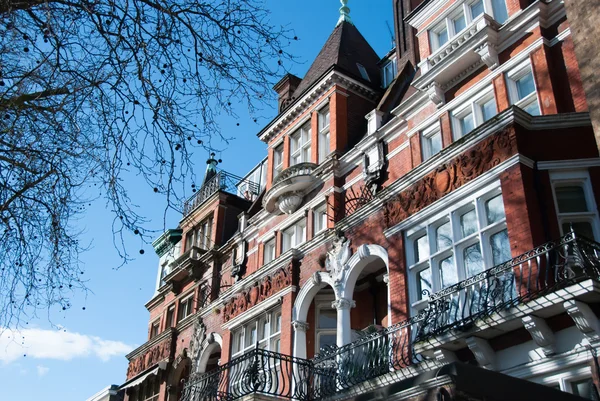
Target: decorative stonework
343 303
300 326
260 291
466 167
337 259
198 338
159 352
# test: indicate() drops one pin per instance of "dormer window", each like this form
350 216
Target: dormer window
457 20
300 145
363 72
388 73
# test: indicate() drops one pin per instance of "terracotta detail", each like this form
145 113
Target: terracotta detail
260 291
157 353
450 176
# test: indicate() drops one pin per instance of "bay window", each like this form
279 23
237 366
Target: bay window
457 244
462 16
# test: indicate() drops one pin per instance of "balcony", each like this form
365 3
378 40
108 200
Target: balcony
221 181
289 188
463 54
539 279
189 264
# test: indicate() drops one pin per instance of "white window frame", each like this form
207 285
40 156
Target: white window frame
188 300
323 302
566 378
576 178
512 77
446 21
319 218
269 251
453 214
473 107
426 137
363 72
173 320
324 136
300 143
388 72
294 234
203 234
277 167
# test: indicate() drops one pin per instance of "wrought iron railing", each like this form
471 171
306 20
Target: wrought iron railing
256 372
294 171
222 181
388 352
545 269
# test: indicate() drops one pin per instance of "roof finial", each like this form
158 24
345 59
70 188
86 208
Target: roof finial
344 12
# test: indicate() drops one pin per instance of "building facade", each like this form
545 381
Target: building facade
419 218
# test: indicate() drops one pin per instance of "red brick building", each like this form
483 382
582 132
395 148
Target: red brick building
415 215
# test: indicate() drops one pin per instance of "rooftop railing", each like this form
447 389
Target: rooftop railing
389 352
221 181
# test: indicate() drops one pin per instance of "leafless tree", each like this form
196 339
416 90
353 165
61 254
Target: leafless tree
95 91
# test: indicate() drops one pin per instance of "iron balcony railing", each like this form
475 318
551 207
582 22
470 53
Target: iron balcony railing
256 372
221 181
553 265
387 353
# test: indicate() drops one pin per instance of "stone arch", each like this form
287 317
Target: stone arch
180 369
365 254
307 293
213 342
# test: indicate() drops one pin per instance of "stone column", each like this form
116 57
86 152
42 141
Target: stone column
300 338
344 332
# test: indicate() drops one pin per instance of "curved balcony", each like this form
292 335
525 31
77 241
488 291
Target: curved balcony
289 188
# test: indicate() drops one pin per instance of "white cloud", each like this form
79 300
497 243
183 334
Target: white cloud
42 370
55 344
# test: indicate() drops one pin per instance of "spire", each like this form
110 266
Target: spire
344 12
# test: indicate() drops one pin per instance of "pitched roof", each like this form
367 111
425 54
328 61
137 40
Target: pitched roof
345 48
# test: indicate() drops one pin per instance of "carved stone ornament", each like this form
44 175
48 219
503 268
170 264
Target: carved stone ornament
373 163
258 292
464 168
197 339
159 352
343 303
436 94
180 358
289 203
337 259
300 326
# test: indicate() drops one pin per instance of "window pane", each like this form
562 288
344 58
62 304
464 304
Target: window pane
327 318
251 335
444 236
571 199
421 248
583 388
468 223
532 108
488 109
326 340
477 8
459 23
442 37
494 209
277 323
264 328
435 143
525 85
473 259
323 146
500 247
499 9
583 228
467 124
424 286
448 274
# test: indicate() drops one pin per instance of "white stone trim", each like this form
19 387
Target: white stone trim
574 164
398 149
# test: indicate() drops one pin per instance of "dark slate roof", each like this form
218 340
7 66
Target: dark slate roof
344 49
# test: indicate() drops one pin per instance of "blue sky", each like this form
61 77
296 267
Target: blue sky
87 353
